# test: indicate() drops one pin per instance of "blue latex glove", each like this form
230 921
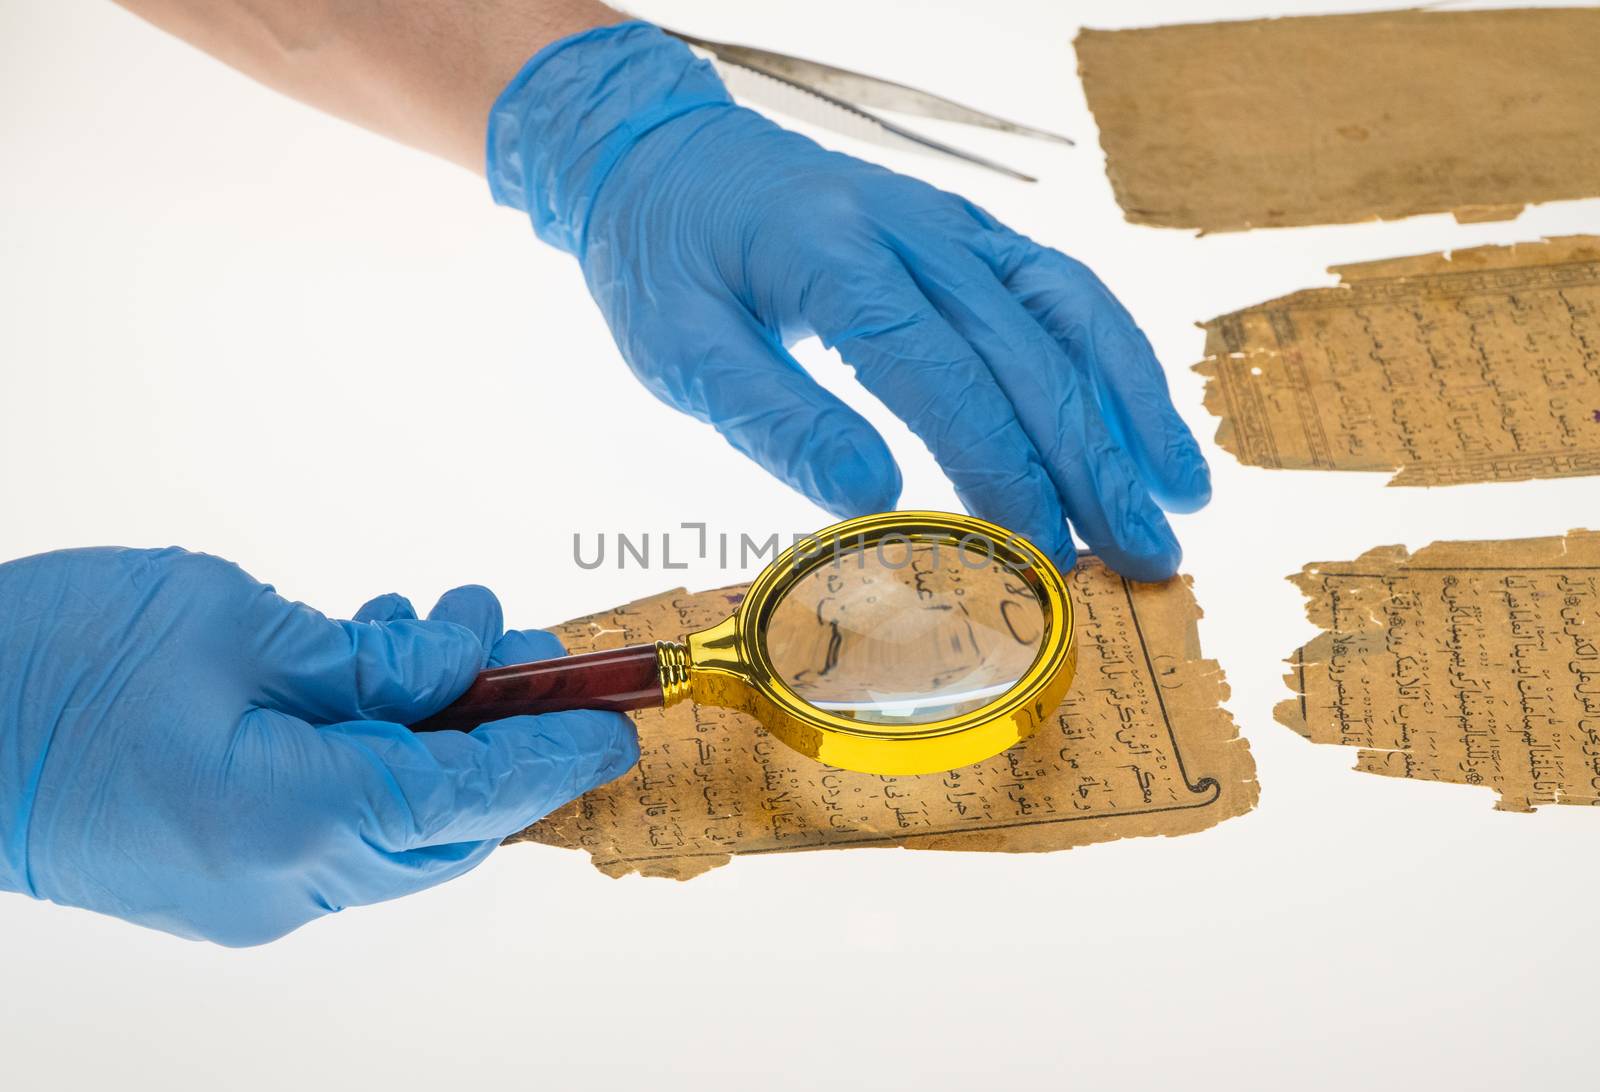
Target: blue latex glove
712 238
181 747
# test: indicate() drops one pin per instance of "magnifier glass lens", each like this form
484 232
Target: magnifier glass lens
905 633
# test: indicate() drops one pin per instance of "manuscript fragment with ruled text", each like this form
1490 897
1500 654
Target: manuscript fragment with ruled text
1140 746
1476 663
1482 365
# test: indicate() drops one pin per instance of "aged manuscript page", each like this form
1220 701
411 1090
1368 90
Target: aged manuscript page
1141 746
1339 118
1476 663
1483 365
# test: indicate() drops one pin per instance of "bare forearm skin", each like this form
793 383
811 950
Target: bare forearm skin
424 72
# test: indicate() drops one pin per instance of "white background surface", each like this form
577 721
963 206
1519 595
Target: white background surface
235 325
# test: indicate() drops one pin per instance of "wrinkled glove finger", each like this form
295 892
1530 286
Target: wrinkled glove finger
372 875
1080 312
478 609
907 355
438 788
1106 499
308 820
354 874
311 666
388 607
521 646
736 375
474 607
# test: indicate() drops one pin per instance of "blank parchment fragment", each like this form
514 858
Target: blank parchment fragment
1477 366
1476 663
1341 118
1140 746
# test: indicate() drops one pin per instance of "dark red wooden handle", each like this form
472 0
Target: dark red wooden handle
619 679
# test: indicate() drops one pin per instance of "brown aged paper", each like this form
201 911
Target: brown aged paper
1476 663
1340 118
1482 365
1141 746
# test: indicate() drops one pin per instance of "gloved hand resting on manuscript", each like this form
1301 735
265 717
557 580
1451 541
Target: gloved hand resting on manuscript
712 238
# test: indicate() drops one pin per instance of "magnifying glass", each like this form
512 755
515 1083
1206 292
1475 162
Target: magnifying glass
898 643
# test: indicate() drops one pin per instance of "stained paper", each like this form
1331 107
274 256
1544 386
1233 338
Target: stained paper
1341 118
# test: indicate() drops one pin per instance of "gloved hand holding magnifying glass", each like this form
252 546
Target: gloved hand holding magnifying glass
182 747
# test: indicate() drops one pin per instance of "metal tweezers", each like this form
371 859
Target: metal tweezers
837 98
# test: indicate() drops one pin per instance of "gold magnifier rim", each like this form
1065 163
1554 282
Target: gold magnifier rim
737 648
